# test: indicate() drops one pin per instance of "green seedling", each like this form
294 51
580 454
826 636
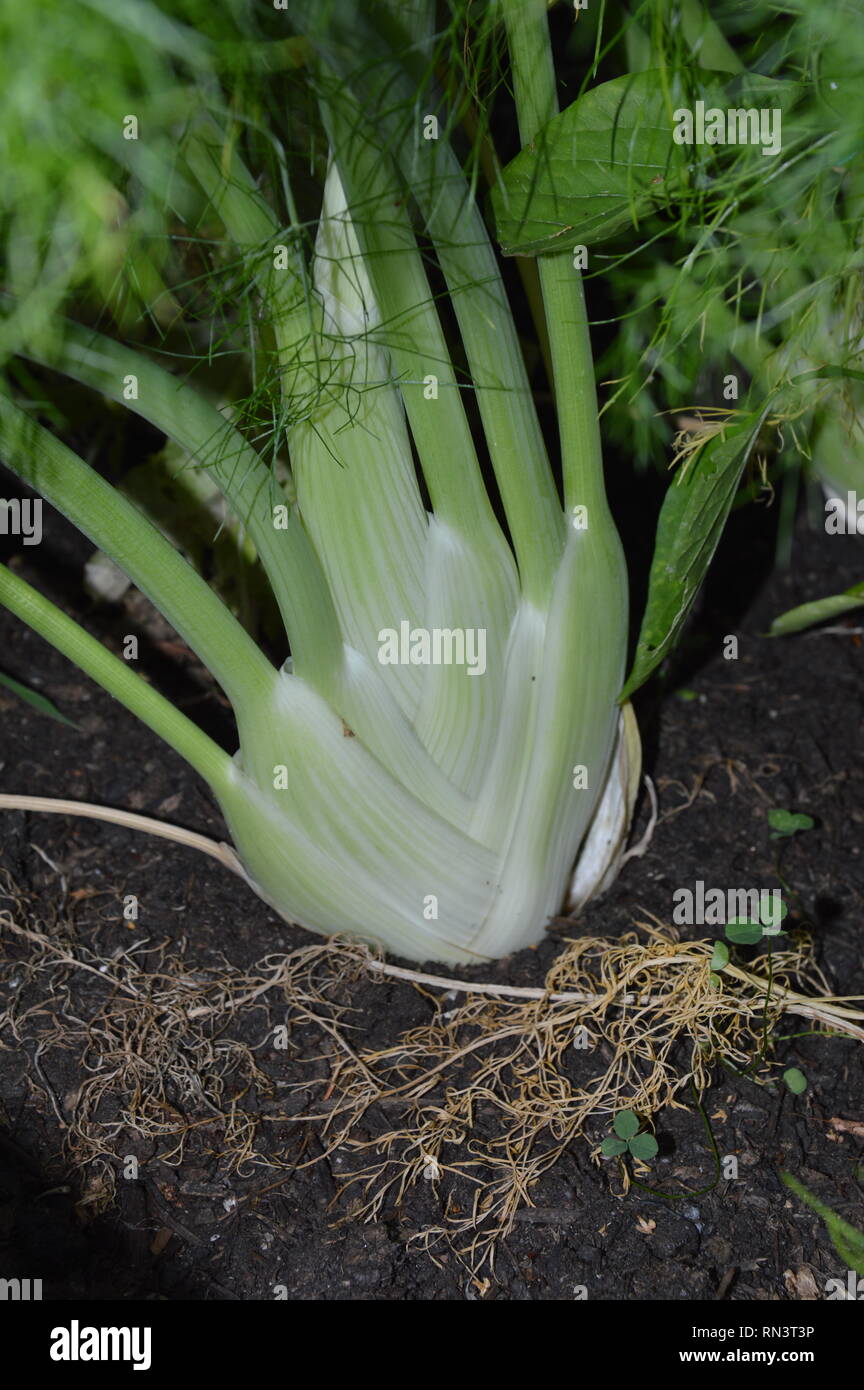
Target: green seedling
749 931
785 823
795 1080
628 1139
41 703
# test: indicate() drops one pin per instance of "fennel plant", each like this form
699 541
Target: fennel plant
387 462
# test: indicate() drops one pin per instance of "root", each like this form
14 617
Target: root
491 1094
466 1112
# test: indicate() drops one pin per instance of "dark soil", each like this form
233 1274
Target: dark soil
779 726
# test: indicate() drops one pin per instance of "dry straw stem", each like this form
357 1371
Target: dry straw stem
129 820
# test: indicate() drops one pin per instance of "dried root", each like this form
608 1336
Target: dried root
494 1091
472 1108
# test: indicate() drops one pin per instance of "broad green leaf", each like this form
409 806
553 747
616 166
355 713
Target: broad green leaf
39 702
612 1147
808 614
795 1080
692 518
611 157
644 1146
593 170
743 932
626 1124
848 1241
720 956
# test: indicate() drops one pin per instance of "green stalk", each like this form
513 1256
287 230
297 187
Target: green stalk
176 408
118 528
568 718
512 430
115 676
561 283
253 227
354 476
464 568
354 688
354 471
411 328
476 291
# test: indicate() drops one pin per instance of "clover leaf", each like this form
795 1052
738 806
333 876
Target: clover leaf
720 956
627 1139
743 932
